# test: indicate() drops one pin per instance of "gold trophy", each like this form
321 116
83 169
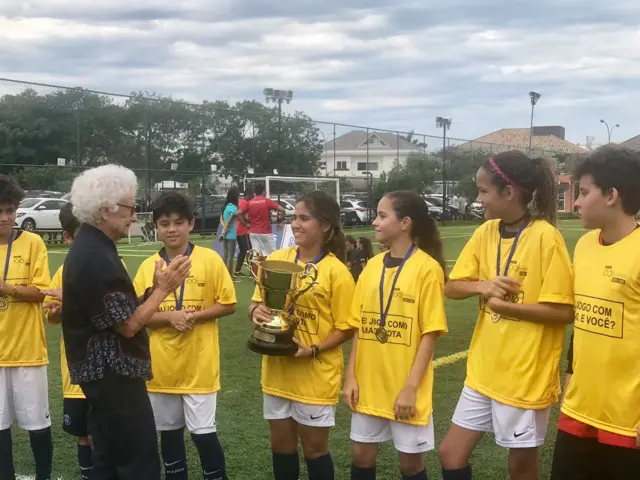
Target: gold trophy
281 284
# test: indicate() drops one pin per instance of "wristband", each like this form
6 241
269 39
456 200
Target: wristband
315 351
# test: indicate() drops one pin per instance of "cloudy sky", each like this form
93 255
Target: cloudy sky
394 64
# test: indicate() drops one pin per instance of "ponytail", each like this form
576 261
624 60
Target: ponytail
336 243
533 178
545 196
427 238
424 230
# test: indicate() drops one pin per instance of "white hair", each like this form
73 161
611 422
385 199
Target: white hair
101 187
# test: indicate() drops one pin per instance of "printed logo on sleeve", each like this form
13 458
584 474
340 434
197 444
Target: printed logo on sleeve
398 327
599 316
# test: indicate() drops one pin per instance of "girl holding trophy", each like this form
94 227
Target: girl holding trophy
301 390
398 313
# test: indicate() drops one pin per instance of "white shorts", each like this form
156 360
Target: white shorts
173 411
278 408
513 427
265 243
24 395
410 439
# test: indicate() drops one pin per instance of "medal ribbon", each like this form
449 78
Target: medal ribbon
511 253
165 257
385 311
6 262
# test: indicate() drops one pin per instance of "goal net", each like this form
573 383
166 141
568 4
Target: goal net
143 229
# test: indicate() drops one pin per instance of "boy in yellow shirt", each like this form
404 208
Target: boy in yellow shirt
186 364
75 405
23 348
599 427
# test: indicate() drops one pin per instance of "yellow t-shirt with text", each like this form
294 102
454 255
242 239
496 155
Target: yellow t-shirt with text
417 308
22 337
511 361
604 390
68 389
189 362
321 311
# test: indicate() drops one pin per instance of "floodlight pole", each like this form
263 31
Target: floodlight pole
534 96
609 130
278 96
445 124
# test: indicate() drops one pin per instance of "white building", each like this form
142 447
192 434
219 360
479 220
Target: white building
354 153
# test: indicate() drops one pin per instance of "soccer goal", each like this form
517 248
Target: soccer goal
292 188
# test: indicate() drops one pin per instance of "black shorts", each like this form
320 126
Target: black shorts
76 417
578 458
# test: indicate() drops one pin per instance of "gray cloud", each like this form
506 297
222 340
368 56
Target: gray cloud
386 64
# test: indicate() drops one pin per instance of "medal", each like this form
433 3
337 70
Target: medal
381 334
495 317
165 257
4 304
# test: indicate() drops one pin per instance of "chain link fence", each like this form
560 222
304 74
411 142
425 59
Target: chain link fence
48 134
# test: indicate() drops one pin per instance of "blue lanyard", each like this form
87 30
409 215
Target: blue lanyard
385 311
6 262
320 256
165 257
511 253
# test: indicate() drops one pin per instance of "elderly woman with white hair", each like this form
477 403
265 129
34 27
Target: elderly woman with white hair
104 322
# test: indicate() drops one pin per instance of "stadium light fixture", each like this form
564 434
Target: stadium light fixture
534 96
610 130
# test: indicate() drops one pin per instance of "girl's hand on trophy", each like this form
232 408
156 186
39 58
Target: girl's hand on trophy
303 350
261 314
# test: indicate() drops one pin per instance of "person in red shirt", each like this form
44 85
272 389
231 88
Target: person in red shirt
259 210
242 232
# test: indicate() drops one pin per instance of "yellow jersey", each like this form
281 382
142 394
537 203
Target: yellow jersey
189 362
22 337
511 361
604 391
321 311
68 390
417 308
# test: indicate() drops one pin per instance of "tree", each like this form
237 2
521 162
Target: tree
462 166
418 173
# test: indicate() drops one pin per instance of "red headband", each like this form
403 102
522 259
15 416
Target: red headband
504 177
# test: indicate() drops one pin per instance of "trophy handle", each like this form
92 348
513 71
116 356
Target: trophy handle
310 271
251 260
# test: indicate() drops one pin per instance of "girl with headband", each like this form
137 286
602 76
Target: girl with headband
518 265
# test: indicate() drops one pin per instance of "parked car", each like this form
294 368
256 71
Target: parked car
288 204
360 207
39 214
207 214
350 218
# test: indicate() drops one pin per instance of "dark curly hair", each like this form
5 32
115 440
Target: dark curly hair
10 191
172 202
614 167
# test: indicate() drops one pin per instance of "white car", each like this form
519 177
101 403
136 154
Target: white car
39 214
365 214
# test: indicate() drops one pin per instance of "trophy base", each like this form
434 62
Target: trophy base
271 349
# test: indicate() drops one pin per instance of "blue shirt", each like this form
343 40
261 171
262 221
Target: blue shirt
229 210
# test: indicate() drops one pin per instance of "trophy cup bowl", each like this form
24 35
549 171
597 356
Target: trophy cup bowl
280 283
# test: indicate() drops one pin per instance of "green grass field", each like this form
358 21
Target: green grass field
243 432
